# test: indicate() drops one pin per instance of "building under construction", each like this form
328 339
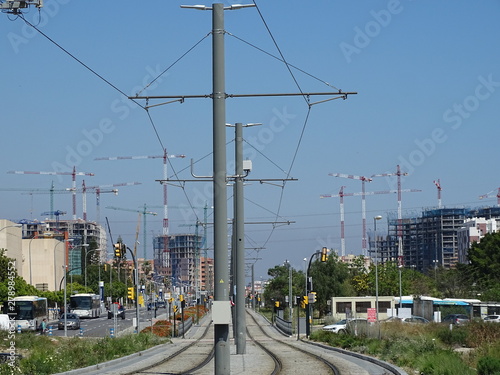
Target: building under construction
430 240
80 232
180 260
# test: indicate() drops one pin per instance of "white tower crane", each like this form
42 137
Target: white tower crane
165 156
439 188
488 195
363 179
341 195
398 173
73 174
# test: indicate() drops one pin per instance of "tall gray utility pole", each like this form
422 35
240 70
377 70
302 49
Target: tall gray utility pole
239 243
221 308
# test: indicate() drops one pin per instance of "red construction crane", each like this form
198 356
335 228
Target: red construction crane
165 156
98 191
489 195
363 193
363 179
439 188
398 173
74 174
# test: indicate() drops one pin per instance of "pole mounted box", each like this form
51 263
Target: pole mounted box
221 312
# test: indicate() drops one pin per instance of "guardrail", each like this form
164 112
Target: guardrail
284 326
183 328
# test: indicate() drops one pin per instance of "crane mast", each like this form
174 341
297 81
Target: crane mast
439 188
363 180
398 174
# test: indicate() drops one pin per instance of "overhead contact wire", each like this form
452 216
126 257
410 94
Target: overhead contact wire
279 51
76 59
174 63
281 60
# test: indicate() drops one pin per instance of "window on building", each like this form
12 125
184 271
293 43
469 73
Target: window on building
342 307
384 305
362 307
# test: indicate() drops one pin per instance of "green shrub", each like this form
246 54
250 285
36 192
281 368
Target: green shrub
453 337
442 362
488 366
50 355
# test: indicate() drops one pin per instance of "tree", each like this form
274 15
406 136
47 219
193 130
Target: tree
484 258
359 277
8 273
330 279
277 288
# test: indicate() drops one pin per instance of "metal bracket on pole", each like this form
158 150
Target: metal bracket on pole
15 6
195 176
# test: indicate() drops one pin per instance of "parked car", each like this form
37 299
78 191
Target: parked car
415 319
358 325
492 318
456 319
119 311
338 327
392 319
345 325
72 321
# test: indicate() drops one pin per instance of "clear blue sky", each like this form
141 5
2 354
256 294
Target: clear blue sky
427 75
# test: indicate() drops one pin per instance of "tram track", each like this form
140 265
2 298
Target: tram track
267 352
200 351
302 362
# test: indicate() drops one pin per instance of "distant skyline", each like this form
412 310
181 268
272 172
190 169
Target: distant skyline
427 77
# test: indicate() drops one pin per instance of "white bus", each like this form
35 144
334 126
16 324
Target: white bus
27 311
85 305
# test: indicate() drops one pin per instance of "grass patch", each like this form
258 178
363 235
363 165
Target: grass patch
430 349
43 355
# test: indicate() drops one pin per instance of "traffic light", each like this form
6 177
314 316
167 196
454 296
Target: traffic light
306 300
324 254
118 250
277 304
183 302
131 293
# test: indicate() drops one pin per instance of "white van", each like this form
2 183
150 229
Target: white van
4 322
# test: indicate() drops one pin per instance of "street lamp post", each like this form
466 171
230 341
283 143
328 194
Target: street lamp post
64 269
136 265
376 267
31 271
290 304
17 226
400 289
308 289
